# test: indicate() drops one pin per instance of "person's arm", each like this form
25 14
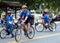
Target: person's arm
27 16
20 15
45 17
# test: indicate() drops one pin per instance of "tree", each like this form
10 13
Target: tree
51 4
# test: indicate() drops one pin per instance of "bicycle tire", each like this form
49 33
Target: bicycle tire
39 28
3 33
32 35
55 25
17 34
51 29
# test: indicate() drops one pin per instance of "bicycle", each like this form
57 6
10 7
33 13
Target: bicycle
40 26
18 33
4 32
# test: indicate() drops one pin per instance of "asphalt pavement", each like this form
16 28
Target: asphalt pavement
40 37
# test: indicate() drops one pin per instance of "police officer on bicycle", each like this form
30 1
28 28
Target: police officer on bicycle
9 21
26 18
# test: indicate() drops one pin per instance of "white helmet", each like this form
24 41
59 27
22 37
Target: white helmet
24 6
46 10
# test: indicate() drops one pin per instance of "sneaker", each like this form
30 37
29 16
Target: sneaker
8 34
29 32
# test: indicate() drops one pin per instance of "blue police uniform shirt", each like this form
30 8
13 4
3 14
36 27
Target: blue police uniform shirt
9 18
46 18
24 14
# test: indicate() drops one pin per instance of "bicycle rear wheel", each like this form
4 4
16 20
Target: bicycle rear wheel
53 27
31 35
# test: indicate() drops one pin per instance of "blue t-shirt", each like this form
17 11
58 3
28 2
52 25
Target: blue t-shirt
46 18
24 14
9 18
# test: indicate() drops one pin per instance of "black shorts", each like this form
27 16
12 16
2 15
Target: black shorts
31 21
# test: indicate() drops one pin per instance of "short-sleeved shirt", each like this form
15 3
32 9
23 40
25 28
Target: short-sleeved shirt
46 18
23 14
9 18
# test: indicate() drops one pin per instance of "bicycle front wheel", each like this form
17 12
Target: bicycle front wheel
3 34
39 27
18 35
54 25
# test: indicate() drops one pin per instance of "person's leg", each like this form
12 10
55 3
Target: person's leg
11 31
23 25
28 27
28 22
25 29
7 27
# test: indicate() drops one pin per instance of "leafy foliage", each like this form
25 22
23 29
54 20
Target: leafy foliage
34 4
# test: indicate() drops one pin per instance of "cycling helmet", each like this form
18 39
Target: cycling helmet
24 6
46 11
8 12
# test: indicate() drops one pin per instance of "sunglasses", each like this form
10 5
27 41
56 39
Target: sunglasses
23 8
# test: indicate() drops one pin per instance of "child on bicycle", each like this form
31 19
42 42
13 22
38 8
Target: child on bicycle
46 18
